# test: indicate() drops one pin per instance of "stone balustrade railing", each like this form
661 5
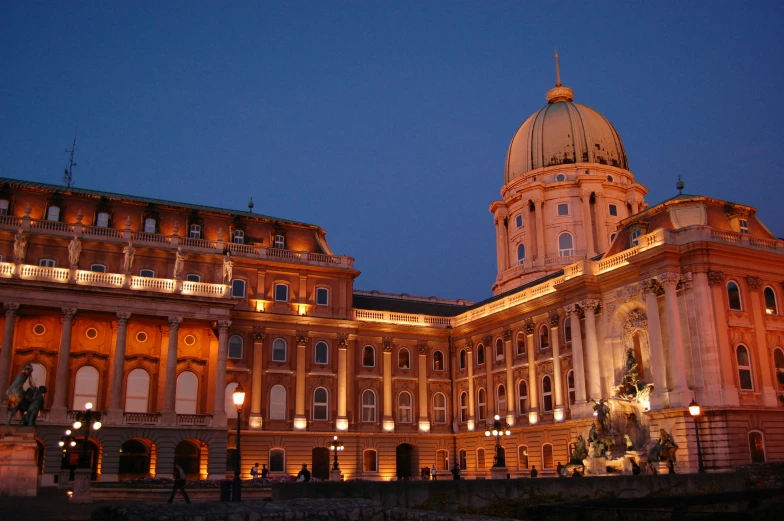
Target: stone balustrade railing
134 418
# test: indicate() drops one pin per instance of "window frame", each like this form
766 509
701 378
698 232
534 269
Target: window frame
502 355
5 206
316 353
279 241
519 220
462 359
194 231
463 407
238 236
565 252
133 397
439 363
364 358
558 208
365 454
371 408
501 399
462 459
234 292
567 326
743 226
481 404
98 268
400 359
285 350
635 238
282 406
141 273
729 296
481 462
192 277
270 459
146 225
53 210
522 397
101 221
560 178
612 210
774 308
323 291
480 354
402 408
241 347
744 368
520 258
547 395
544 456
47 262
518 351
520 457
778 366
570 387
544 339
762 440
440 409
322 405
276 287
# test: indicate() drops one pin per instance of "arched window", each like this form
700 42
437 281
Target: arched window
439 408
547 456
442 459
520 253
404 358
522 398
520 344
321 354
463 407
281 292
368 356
369 460
501 399
778 362
570 386
438 361
187 393
277 409
368 406
463 359
757 447
522 457
277 460
544 336
235 346
137 390
148 273
567 331
404 413
228 400
744 369
733 294
85 387
565 245
770 302
547 394
463 459
37 377
320 404
481 402
480 354
480 459
279 350
499 349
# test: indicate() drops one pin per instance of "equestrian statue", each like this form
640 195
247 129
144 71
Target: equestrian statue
27 402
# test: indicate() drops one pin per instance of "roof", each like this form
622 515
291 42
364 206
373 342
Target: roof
408 305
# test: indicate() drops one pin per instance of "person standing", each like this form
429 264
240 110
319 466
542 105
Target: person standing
534 472
456 472
264 473
433 472
254 473
179 484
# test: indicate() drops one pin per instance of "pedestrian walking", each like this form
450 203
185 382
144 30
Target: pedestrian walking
179 483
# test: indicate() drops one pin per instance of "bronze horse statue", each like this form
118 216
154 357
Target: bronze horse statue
19 399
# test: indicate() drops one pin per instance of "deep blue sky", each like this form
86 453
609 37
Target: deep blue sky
387 124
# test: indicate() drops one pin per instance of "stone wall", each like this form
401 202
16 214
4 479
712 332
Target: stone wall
18 461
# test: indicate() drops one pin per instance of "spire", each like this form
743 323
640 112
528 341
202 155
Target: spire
559 93
679 185
557 70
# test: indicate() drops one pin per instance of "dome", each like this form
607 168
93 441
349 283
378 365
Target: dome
564 132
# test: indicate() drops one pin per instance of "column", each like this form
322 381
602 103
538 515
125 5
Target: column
541 250
601 227
659 396
577 356
388 421
59 406
169 414
471 404
492 408
300 420
115 412
590 249
592 349
511 392
501 243
255 420
424 423
341 423
219 411
769 397
727 358
680 394
558 409
11 308
533 384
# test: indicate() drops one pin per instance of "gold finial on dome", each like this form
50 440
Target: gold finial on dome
559 93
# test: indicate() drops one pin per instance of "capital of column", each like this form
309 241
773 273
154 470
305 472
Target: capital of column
11 309
573 309
754 283
488 341
590 304
342 343
422 348
669 279
650 286
174 322
302 340
123 318
258 338
507 335
529 326
68 314
686 279
554 320
224 325
715 277
388 345
469 345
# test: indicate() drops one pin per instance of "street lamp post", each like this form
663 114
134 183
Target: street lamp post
498 429
694 410
236 485
87 419
335 446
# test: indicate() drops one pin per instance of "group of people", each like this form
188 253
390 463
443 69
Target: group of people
257 473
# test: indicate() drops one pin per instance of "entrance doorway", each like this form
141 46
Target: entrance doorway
320 462
406 460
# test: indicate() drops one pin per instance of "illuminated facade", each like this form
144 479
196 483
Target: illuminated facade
155 311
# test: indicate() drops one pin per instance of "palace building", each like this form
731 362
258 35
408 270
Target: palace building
155 311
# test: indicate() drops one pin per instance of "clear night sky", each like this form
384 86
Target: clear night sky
387 124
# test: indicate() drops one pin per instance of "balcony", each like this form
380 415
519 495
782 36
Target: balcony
134 419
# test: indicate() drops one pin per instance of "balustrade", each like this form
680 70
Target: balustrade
201 420
141 418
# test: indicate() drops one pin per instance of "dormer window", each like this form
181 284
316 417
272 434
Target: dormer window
195 231
53 213
279 242
150 225
4 206
102 220
743 224
238 237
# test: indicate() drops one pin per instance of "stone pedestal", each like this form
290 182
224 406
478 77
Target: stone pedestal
18 461
255 421
81 486
498 472
334 475
664 467
64 481
598 465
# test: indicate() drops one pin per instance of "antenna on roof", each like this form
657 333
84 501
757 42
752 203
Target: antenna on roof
557 70
679 185
250 205
68 176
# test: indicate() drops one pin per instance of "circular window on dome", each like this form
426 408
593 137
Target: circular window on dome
91 333
560 177
610 178
141 336
190 340
39 329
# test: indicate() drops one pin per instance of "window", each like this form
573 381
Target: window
480 459
547 456
281 292
560 177
636 237
3 206
438 361
463 359
567 330
520 253
102 220
98 268
369 460
463 459
613 210
547 394
279 242
612 236
522 457
195 231
778 362
544 336
565 245
277 460
404 413
610 178
501 399
238 237
439 408
193 277
277 409
186 393
322 296
522 398
570 386
520 344
404 358
368 406
235 346
519 221
279 350
743 224
480 354
150 225
47 263
770 301
228 400
744 369
757 447
141 336
563 209
733 294
368 356
39 329
320 405
442 460
238 288
189 340
463 407
147 273
85 387
481 402
53 213
321 354
499 349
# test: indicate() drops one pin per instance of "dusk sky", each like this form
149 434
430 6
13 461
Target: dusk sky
386 123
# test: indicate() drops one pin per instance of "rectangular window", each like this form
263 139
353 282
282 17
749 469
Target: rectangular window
563 209
635 238
98 268
281 293
102 220
744 225
238 237
149 225
238 288
47 263
613 210
193 277
3 206
280 242
53 213
480 459
322 296
195 232
519 221
442 460
277 460
370 461
147 273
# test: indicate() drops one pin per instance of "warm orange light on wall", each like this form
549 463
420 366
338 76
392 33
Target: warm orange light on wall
260 305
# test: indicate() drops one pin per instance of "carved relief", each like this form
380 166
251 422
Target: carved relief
754 283
302 339
422 348
529 326
715 277
651 286
507 335
635 320
554 320
342 342
388 344
627 293
258 337
469 345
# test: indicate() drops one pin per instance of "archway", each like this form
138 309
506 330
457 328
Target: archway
320 462
188 456
72 455
406 461
134 460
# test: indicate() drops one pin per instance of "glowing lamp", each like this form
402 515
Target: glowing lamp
694 408
238 396
487 433
77 425
97 425
88 406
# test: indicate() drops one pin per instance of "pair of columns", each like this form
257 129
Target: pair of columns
388 419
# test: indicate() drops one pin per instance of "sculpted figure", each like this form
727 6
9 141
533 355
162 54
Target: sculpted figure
602 413
20 247
179 263
592 436
35 405
74 250
129 252
228 268
580 451
15 394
